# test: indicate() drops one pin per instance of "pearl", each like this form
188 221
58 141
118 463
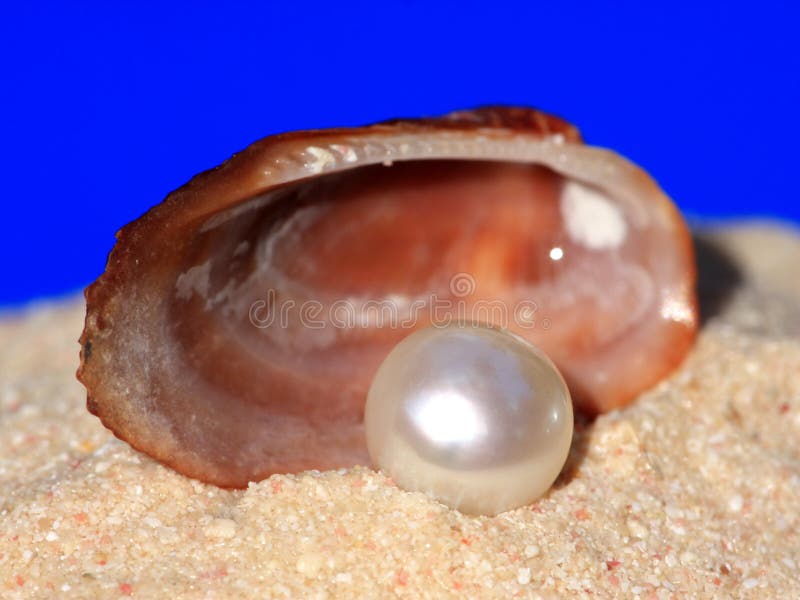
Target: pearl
475 417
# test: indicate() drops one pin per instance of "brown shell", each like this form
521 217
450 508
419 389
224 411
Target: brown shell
175 365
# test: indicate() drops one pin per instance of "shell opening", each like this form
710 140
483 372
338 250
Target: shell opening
302 296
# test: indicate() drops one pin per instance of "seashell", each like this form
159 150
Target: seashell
237 326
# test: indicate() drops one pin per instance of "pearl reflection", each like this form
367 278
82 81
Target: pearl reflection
447 418
556 253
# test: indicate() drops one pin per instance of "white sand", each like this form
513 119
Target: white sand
694 490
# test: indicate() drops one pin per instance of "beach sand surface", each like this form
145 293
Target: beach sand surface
692 490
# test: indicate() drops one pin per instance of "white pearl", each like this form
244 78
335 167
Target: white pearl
476 417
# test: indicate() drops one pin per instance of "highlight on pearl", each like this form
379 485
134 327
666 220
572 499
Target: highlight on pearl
474 416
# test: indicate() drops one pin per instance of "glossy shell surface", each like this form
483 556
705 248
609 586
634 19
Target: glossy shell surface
238 323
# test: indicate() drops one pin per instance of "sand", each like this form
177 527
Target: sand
693 490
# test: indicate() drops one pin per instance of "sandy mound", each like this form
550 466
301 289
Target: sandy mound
692 490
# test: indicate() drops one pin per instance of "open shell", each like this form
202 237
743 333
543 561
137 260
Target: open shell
196 349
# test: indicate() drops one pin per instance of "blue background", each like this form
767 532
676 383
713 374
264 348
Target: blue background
107 107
